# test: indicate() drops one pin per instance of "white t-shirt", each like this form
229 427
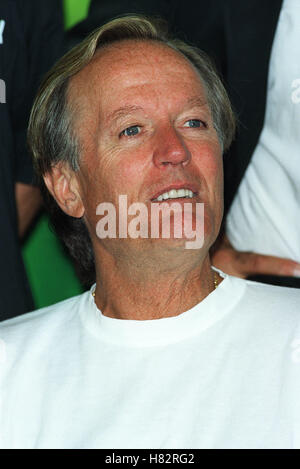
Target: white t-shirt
225 374
265 214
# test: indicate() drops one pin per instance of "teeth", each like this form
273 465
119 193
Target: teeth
174 194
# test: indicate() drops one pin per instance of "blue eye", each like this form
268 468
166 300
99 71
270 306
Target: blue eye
195 123
130 131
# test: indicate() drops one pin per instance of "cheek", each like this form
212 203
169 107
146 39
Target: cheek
129 172
210 165
116 173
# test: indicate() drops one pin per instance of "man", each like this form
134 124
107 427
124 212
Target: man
27 29
162 352
239 36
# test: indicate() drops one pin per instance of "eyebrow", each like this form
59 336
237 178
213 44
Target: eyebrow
123 112
194 101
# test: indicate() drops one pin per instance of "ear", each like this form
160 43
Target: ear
62 183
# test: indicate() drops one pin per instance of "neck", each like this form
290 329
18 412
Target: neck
140 292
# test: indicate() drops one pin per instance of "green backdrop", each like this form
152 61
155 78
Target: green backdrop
51 275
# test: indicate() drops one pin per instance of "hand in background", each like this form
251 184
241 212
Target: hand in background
245 264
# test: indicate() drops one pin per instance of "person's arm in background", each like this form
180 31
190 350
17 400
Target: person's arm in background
43 32
247 264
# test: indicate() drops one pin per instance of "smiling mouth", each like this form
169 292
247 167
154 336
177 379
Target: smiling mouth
175 194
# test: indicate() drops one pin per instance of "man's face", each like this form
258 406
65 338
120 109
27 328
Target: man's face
145 127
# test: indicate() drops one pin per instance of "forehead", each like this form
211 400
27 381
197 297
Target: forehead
135 70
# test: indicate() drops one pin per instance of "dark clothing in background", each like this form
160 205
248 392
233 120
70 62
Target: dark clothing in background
32 40
102 11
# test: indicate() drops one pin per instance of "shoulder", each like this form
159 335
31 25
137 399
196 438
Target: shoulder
274 295
273 306
42 325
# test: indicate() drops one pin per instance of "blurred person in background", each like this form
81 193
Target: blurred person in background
31 39
261 236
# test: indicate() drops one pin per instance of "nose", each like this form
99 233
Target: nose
170 149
